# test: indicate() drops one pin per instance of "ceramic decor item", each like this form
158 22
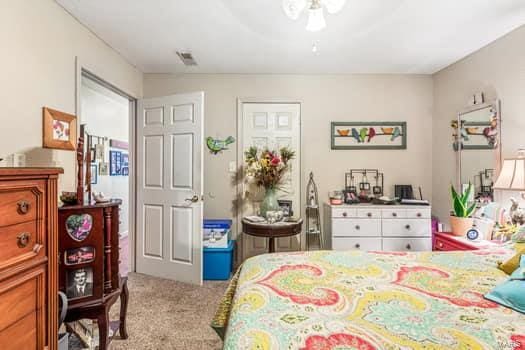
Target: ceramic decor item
215 145
79 226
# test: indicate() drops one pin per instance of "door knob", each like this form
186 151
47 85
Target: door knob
193 199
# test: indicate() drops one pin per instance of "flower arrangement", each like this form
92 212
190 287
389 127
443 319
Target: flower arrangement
266 168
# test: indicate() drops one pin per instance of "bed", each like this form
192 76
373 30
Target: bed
376 300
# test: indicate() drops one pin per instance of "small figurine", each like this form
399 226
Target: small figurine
215 146
99 197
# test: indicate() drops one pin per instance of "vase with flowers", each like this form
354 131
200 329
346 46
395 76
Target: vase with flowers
267 169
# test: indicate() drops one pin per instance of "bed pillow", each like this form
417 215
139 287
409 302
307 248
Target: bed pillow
513 263
510 293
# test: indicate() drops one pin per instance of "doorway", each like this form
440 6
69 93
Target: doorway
108 116
272 125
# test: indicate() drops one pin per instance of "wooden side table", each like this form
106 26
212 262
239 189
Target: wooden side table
444 241
272 231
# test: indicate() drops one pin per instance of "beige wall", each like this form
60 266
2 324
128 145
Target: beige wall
324 99
499 71
39 44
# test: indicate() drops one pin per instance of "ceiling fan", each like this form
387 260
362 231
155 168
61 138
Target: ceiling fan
316 21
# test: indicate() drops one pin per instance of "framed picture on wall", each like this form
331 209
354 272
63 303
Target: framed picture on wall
60 130
368 135
115 163
94 174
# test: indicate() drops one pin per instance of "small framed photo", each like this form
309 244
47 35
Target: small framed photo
78 256
79 283
94 174
286 207
60 130
115 163
103 169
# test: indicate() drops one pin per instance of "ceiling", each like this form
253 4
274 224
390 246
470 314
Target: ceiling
255 36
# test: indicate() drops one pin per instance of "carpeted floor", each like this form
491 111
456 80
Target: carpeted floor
164 314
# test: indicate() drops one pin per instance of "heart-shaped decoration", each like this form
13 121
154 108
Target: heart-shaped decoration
79 226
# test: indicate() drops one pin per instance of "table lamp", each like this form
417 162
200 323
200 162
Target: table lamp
512 175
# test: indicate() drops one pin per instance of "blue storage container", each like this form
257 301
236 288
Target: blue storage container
218 262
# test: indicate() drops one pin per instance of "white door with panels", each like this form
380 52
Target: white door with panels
169 187
272 126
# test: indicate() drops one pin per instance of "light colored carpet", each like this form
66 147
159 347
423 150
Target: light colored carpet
165 314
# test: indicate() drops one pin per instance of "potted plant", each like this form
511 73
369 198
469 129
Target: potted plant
461 218
266 169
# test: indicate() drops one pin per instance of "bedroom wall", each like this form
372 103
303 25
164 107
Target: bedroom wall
37 67
324 99
499 71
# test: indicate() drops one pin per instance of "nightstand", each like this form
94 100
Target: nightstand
444 241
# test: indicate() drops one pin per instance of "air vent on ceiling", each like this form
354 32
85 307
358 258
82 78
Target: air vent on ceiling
187 58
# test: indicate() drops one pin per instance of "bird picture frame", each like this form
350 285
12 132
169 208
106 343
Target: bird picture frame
368 135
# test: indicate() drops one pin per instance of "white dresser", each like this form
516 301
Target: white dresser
378 227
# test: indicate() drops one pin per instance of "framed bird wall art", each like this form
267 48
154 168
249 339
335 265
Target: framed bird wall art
368 135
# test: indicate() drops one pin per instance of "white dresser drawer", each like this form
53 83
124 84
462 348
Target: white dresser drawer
359 243
344 212
368 213
422 213
407 244
393 213
342 227
406 227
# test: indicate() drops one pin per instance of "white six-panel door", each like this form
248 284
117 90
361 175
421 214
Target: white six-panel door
169 187
272 125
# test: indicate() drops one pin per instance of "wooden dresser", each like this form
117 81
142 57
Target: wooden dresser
378 227
28 258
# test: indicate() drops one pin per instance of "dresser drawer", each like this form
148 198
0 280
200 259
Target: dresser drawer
17 204
443 244
20 242
22 305
344 212
406 227
356 227
407 244
393 213
368 213
359 243
423 213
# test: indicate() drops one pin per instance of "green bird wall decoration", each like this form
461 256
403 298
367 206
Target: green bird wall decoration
215 145
362 134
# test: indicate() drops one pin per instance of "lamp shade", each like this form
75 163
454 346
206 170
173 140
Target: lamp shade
512 175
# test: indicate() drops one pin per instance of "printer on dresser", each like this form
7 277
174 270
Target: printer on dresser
378 227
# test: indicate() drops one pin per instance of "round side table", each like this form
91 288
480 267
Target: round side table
272 231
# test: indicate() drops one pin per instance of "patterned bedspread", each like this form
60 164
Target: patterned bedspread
377 300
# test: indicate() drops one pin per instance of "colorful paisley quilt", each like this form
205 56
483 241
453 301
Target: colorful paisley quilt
353 300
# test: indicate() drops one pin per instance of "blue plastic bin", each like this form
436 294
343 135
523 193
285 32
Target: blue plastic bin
218 262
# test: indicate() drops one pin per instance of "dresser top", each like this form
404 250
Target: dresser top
378 206
12 171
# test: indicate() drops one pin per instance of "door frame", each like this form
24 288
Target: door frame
240 155
82 70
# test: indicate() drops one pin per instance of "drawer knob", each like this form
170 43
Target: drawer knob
394 214
407 227
409 246
345 214
369 215
23 207
23 239
418 215
357 227
357 245
440 245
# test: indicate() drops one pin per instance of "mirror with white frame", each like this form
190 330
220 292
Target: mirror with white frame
478 145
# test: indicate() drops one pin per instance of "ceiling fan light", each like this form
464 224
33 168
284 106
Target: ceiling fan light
293 8
334 6
316 20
